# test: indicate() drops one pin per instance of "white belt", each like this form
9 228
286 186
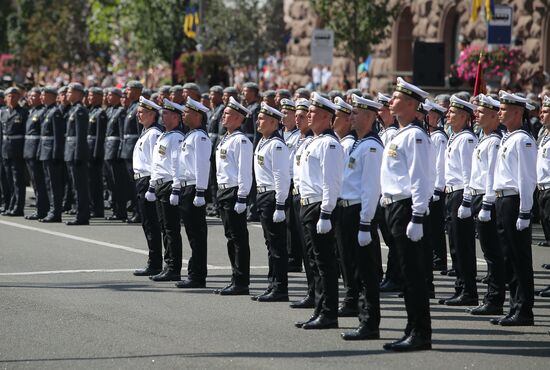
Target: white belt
32 137
226 186
348 202
188 183
47 137
452 189
91 137
14 137
162 181
308 201
131 136
140 175
295 191
393 198
212 135
477 192
112 138
543 186
263 189
506 193
71 138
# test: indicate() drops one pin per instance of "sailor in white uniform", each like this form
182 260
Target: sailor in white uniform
514 184
321 173
164 188
195 171
458 167
406 191
234 174
342 124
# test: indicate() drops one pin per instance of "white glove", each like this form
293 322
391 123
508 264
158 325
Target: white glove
464 212
522 224
381 201
364 238
428 211
415 231
435 198
484 215
150 195
279 215
323 226
199 201
174 199
239 207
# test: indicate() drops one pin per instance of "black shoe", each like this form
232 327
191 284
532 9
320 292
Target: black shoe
273 297
389 346
300 324
412 343
307 302
148 271
361 333
96 215
34 216
190 284
134 220
115 218
482 279
15 214
265 292
294 268
442 272
217 291
496 320
451 272
545 243
321 322
235 290
439 267
388 286
462 301
77 222
346 311
166 275
50 218
486 309
539 291
545 293
517 320
546 266
443 300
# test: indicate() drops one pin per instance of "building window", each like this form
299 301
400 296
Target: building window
403 47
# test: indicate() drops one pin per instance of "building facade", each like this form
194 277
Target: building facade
446 21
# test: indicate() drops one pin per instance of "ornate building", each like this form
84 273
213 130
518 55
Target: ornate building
422 20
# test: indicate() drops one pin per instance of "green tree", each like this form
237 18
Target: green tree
357 24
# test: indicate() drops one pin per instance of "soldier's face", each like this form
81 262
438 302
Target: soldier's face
400 103
145 116
47 99
316 117
12 99
289 118
485 116
509 113
190 117
301 121
266 124
169 118
270 100
433 118
231 118
249 94
545 116
456 118
342 121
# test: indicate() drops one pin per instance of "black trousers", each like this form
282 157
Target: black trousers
194 222
38 180
305 242
68 191
544 211
428 253
322 259
79 180
213 182
275 240
150 224
131 195
438 240
15 172
346 245
293 238
53 172
462 234
366 264
493 254
170 221
393 270
5 188
411 260
116 174
95 170
517 256
236 232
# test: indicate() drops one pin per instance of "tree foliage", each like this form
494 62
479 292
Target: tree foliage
357 24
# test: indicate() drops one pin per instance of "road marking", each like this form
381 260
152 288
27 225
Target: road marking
105 244
29 273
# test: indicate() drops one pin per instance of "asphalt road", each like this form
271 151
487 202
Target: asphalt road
68 300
